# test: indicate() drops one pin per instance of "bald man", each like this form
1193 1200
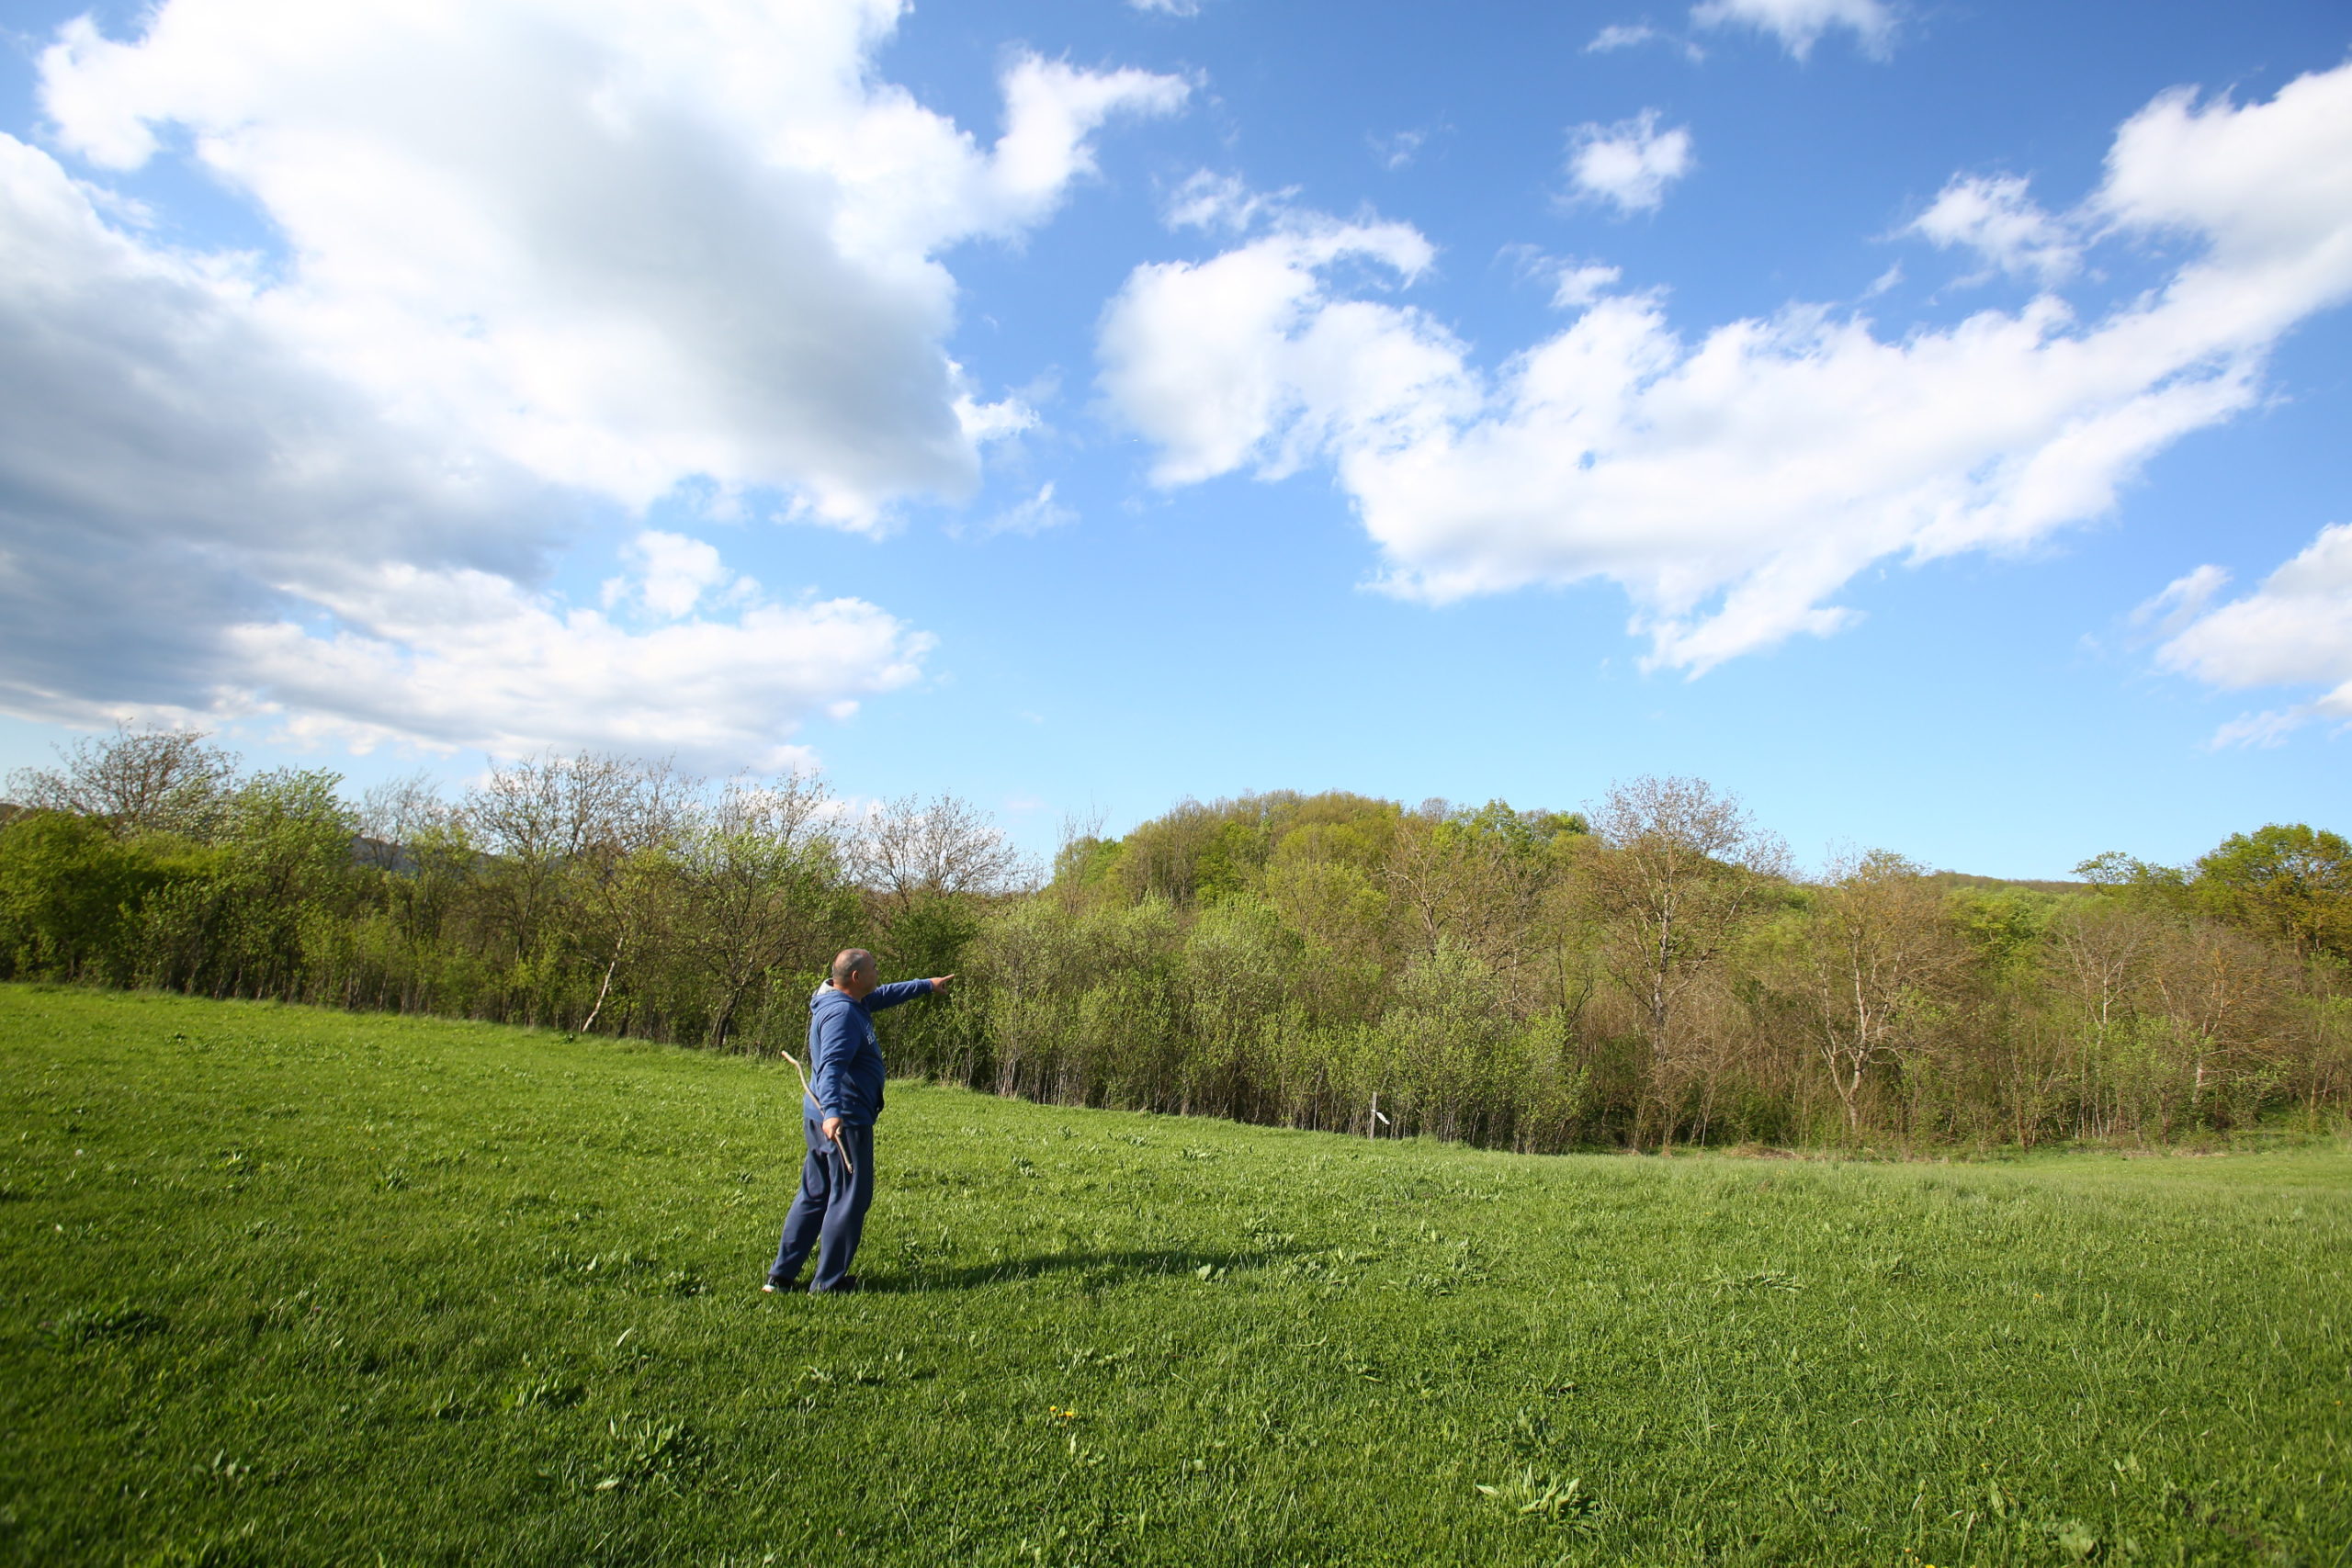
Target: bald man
837 1114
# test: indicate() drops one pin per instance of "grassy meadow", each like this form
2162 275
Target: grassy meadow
288 1286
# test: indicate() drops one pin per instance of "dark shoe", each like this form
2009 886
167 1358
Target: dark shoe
847 1287
772 1286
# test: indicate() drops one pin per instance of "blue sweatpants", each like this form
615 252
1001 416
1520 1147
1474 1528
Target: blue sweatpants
828 1213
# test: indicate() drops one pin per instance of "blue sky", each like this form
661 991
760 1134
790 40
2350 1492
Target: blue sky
1925 422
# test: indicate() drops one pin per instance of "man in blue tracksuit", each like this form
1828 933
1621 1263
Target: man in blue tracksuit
837 1122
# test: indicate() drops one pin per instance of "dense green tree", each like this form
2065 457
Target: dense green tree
70 896
2287 880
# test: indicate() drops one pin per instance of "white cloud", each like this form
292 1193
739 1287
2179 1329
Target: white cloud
1397 152
1628 164
465 659
1618 35
1575 284
1994 216
2294 630
1027 518
1732 484
2266 729
2181 600
1800 24
984 423
1214 361
533 254
1622 35
612 241
1051 108
674 573
1167 7
1208 200
1579 285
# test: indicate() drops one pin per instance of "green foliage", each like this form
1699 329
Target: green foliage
1513 979
1526 835
292 1286
70 895
2290 882
2003 925
1088 863
1198 853
2116 871
1519 979
583 891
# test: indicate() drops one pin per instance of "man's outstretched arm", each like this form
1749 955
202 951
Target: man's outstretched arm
891 996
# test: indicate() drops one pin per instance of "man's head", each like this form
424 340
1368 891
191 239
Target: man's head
853 972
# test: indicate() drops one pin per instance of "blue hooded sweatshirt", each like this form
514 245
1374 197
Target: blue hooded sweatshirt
844 1058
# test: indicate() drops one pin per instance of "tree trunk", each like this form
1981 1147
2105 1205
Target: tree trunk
606 990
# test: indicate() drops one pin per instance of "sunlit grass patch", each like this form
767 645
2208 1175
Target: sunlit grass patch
287 1286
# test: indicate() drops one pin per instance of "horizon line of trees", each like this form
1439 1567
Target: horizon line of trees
1653 973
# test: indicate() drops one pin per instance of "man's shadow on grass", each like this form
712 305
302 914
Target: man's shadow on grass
1099 1267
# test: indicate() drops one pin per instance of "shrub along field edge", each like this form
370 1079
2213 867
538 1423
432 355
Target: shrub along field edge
1652 976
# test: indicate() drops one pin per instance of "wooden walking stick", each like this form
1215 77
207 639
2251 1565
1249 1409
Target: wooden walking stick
839 1148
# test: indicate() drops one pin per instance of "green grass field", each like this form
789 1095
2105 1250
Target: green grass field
299 1287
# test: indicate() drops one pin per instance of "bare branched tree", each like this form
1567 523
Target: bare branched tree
135 781
2096 957
2220 991
1682 869
1478 879
393 813
1876 946
571 817
914 848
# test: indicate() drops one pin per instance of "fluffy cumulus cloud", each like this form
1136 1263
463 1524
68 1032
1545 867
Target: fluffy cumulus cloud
531 256
2294 630
1629 165
673 574
469 658
1732 484
1577 285
1800 24
1996 217
1256 355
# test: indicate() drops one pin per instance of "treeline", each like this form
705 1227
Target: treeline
586 892
1537 980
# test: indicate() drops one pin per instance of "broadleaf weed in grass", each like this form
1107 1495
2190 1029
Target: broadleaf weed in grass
645 1451
1547 1501
84 1325
2075 1540
547 1391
